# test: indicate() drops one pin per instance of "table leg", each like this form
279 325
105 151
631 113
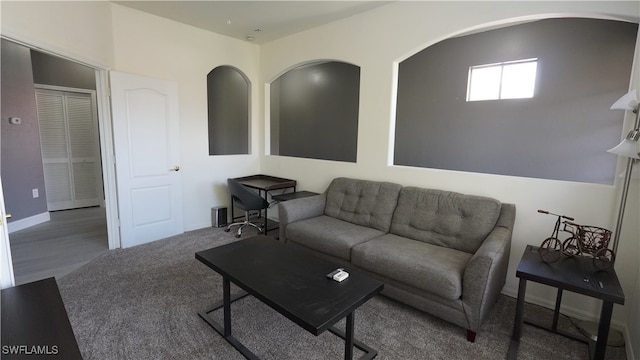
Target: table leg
226 290
233 216
517 325
264 229
348 339
603 330
556 311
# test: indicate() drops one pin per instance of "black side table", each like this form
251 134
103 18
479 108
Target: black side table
576 274
294 195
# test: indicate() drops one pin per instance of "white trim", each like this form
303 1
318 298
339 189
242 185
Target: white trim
25 223
107 149
49 49
267 120
64 88
627 338
7 278
572 312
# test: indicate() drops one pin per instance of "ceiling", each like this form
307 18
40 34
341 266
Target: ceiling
256 21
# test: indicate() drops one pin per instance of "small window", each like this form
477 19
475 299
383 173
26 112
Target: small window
507 80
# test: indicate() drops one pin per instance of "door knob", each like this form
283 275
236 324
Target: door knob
175 168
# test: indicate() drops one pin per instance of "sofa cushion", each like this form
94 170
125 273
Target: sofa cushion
431 268
445 218
362 202
329 235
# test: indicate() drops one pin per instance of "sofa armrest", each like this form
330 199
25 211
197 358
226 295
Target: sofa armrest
486 272
299 209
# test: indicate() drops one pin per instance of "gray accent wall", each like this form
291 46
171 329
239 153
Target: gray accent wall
228 93
52 70
21 159
562 133
314 112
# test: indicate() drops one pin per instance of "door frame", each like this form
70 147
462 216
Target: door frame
104 126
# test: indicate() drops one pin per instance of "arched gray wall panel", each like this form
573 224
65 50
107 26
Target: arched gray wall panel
314 112
561 133
228 108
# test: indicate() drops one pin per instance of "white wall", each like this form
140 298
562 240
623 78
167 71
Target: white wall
155 47
79 28
376 41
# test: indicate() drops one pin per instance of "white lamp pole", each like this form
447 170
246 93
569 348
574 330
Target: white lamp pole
627 148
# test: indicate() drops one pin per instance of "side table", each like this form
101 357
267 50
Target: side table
293 195
576 274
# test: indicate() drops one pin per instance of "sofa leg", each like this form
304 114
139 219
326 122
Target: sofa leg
471 336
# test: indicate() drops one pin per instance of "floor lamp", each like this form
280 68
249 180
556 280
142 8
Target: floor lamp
629 149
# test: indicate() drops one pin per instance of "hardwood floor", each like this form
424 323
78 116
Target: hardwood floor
55 248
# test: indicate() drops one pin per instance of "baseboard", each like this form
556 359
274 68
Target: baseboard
564 309
628 347
577 314
25 223
192 227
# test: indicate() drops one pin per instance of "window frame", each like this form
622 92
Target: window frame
501 66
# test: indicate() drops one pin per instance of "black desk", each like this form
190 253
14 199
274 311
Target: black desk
576 274
35 323
294 283
264 184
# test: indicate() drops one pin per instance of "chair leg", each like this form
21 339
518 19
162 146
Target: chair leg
255 226
242 225
232 225
471 335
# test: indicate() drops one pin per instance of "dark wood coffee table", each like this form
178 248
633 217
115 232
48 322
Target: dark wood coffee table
293 282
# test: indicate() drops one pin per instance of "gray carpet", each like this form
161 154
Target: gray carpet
142 303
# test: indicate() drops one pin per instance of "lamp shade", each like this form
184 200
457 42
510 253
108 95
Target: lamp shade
629 146
628 102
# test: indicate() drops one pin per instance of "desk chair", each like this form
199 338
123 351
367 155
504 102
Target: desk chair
246 200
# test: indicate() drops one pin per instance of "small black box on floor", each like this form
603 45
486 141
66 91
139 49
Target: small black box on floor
219 216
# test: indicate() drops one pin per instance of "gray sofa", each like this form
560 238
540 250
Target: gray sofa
442 252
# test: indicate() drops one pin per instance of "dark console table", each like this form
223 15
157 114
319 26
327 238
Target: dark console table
293 282
35 323
576 274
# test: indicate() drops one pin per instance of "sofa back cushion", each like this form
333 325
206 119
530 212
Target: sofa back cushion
362 202
445 218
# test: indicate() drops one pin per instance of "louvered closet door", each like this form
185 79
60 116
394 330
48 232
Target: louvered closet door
70 150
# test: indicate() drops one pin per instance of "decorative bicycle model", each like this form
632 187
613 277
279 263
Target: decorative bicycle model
584 239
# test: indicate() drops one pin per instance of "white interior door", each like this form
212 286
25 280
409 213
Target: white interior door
146 141
6 264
